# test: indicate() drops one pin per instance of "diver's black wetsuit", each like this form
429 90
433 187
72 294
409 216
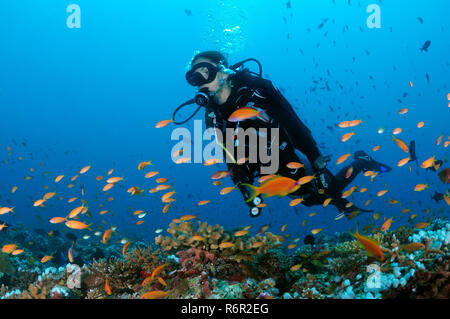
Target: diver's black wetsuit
259 93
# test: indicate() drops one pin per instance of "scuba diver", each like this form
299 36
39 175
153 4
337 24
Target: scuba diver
222 89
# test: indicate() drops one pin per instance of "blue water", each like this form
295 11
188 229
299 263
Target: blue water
92 96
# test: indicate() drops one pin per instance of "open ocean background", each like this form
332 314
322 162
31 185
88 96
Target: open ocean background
92 96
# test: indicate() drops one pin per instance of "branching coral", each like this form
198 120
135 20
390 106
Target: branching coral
207 237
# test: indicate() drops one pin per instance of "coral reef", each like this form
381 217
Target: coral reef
194 262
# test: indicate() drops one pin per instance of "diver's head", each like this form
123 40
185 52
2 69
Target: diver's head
209 72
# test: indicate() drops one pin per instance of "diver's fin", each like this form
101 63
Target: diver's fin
370 164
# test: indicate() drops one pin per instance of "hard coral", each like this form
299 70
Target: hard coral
182 237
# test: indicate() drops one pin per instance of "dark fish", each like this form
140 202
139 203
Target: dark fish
444 175
428 78
188 12
425 46
288 5
437 197
420 19
309 240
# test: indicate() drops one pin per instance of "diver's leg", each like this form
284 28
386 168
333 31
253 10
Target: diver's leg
362 162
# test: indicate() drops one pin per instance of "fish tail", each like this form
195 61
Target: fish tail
89 226
253 191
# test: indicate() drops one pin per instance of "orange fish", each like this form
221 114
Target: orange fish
107 187
70 254
370 245
182 160
46 259
420 124
277 186
166 208
6 210
327 201
155 294
75 224
107 235
9 248
161 180
39 202
75 211
296 201
305 179
163 123
142 165
226 244
403 161
345 124
296 267
420 187
57 220
376 148
402 145
220 174
151 174
245 113
185 218
125 247
343 158
49 195
85 169
347 136
382 192
113 180
226 190
203 202
13 190
412 247
17 252
107 287
316 231
396 131
212 161
198 238
421 225
403 111
439 140
241 233
387 224
294 165
349 172
428 163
